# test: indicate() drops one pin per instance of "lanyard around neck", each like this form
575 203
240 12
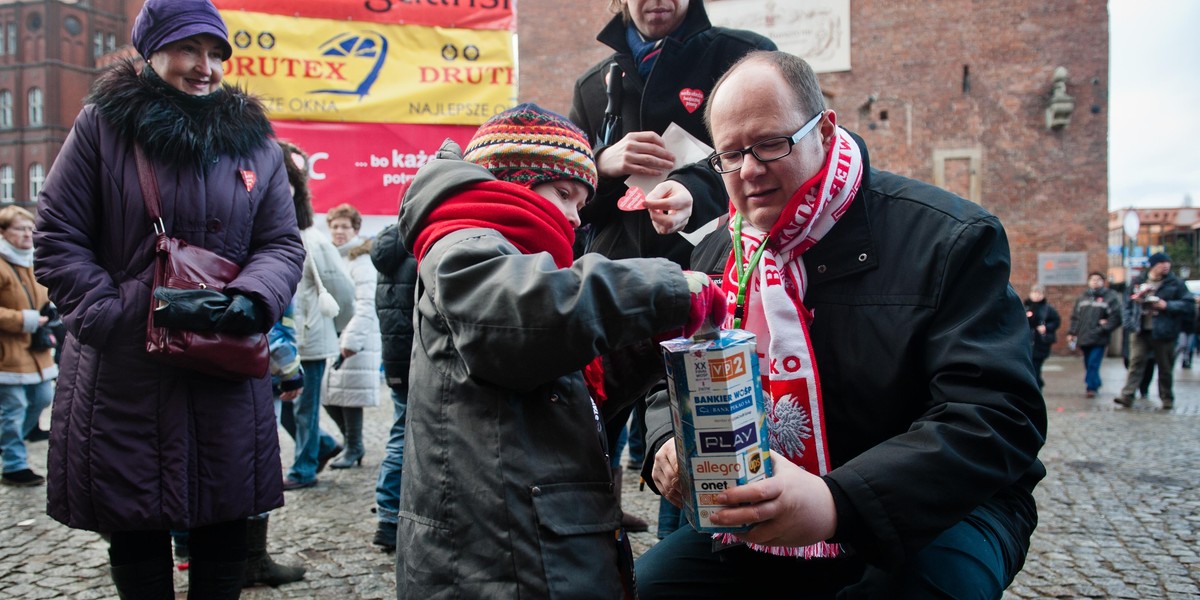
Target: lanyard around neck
743 273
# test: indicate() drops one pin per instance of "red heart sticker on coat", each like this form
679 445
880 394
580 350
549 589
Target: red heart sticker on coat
691 98
634 199
248 178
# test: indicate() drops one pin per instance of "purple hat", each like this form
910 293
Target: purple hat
164 21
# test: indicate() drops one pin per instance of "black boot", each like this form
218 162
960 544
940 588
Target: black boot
215 580
37 434
150 580
385 536
259 566
353 454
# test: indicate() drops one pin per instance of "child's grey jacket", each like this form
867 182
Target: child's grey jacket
507 492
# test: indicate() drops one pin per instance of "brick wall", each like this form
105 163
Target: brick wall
557 43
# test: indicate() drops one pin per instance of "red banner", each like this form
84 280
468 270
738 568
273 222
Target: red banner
459 14
366 164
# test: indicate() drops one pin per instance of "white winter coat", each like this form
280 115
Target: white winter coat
357 382
316 336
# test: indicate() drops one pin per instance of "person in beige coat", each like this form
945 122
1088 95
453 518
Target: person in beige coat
26 363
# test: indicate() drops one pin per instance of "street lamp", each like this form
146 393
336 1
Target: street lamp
1131 225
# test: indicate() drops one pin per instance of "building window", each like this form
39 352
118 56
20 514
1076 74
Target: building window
98 45
73 25
36 110
7 183
12 38
6 109
3 43
112 43
37 177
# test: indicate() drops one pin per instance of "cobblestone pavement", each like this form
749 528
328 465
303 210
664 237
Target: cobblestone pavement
1120 511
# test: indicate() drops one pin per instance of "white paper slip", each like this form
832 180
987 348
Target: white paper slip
687 150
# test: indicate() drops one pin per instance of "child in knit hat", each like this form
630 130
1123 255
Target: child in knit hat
504 453
538 149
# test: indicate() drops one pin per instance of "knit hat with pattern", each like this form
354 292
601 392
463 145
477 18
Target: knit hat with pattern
529 145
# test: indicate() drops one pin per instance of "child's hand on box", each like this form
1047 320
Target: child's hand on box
666 473
791 508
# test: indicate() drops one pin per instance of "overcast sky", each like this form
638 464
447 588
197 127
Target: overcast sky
1154 114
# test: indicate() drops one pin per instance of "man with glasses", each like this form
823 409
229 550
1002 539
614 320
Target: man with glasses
765 151
905 416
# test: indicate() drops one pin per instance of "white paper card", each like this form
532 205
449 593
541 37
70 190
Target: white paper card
687 149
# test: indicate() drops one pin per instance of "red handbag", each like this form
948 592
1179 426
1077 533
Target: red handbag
180 265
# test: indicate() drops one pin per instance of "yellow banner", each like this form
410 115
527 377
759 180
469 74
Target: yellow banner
326 70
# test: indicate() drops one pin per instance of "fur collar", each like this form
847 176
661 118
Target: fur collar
355 248
177 128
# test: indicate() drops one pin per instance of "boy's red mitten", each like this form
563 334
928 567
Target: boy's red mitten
708 303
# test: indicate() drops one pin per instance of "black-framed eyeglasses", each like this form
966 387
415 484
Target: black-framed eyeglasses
765 151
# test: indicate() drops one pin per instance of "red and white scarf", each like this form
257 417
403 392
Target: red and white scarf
774 312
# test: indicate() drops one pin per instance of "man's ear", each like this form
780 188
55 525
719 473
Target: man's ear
828 127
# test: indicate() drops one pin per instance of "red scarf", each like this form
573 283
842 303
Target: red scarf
772 305
530 222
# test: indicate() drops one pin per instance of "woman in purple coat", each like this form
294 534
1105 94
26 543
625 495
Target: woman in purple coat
138 448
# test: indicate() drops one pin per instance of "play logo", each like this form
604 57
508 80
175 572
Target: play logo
711 442
364 53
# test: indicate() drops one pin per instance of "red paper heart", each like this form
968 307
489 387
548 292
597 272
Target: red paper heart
249 179
691 98
634 199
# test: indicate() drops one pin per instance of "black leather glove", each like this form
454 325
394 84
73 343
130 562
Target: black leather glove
243 317
195 310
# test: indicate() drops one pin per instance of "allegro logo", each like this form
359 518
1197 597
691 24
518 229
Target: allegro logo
727 368
706 467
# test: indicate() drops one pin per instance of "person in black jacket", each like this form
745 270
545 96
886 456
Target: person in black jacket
1043 325
1154 316
394 300
905 416
666 58
1097 313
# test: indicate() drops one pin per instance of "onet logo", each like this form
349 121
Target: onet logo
727 368
365 53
